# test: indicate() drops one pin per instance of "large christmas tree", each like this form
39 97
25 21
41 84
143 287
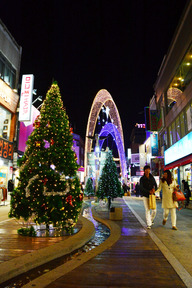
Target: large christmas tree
49 190
109 185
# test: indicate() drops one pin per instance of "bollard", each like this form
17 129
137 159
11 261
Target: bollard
116 213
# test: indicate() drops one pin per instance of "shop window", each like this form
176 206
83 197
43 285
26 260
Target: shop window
5 123
165 140
182 124
174 138
1 68
189 118
180 81
6 75
170 136
178 129
3 175
7 72
12 79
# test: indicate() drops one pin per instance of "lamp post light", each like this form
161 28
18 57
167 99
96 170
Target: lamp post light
39 98
97 161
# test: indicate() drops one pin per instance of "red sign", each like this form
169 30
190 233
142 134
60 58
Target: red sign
6 149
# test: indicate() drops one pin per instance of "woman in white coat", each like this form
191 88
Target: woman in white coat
168 185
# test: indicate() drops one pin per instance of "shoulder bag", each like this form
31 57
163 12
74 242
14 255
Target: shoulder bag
178 195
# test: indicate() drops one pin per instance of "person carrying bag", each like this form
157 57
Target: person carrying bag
168 185
147 188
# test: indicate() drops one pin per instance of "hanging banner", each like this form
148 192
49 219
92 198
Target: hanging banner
154 144
153 120
26 98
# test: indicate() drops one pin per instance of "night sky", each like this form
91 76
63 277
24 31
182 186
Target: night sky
88 45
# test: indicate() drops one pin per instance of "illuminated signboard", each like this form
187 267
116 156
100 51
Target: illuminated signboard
6 149
154 144
26 97
135 158
140 125
179 150
129 153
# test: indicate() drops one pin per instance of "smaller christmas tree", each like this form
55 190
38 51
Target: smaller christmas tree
89 191
109 184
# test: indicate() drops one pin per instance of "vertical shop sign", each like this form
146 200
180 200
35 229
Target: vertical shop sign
147 118
154 144
6 149
153 120
26 98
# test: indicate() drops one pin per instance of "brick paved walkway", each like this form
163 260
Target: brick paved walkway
133 261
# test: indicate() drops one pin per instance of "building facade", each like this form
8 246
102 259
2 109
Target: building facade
171 106
79 148
10 59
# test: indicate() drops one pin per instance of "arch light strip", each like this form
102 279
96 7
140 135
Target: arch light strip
102 98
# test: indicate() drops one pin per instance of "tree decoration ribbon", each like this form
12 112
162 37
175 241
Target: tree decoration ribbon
27 190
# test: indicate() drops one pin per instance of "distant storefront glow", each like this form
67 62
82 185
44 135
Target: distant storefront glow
179 150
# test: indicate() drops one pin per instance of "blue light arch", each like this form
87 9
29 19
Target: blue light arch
111 129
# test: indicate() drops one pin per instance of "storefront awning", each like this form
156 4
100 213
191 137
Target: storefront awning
181 162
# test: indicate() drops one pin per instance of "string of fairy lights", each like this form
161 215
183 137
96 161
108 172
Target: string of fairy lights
49 190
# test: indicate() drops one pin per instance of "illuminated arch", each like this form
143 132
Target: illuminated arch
110 128
103 98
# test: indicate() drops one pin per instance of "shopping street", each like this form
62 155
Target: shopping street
131 256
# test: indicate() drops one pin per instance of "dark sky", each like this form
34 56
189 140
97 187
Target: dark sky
88 45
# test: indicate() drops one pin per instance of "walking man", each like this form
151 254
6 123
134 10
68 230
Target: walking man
186 191
148 186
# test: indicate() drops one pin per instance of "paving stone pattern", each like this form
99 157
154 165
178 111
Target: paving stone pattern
133 261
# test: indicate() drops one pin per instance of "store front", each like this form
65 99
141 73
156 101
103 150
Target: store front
8 106
178 158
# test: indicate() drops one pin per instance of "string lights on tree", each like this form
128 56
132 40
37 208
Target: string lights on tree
109 185
49 190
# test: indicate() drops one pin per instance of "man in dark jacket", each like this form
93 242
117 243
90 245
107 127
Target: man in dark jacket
187 192
137 189
148 186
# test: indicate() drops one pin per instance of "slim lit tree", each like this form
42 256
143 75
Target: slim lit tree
109 184
48 189
89 191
